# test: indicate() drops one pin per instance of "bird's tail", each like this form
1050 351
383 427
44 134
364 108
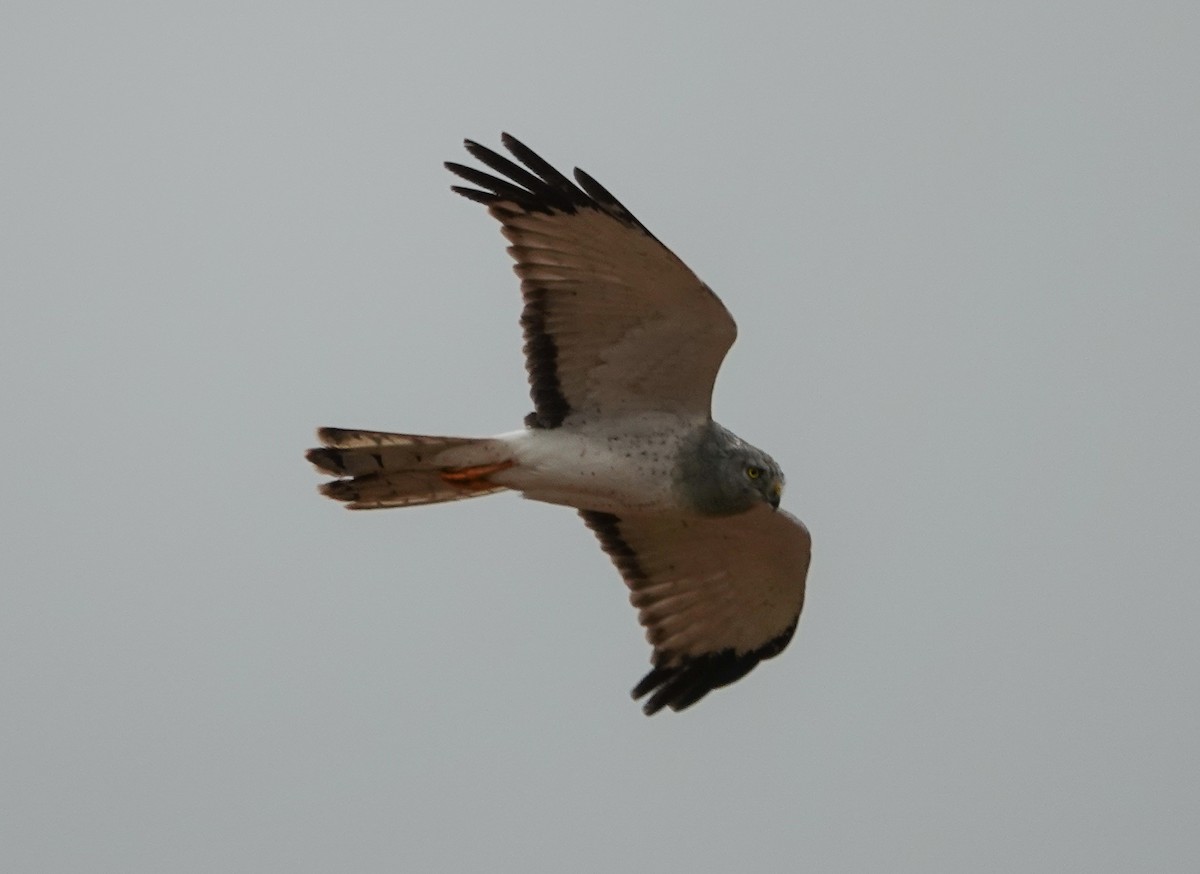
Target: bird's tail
378 469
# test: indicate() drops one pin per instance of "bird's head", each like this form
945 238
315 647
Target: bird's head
721 474
763 476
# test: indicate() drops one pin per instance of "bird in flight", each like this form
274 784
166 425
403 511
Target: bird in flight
622 347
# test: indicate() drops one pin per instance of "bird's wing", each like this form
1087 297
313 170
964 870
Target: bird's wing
716 595
614 322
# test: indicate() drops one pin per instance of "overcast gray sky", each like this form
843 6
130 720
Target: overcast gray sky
962 243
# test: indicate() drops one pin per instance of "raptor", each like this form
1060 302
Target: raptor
622 345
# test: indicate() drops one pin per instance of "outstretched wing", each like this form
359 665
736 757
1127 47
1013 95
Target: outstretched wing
716 595
614 322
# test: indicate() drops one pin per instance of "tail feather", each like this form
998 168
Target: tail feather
351 453
381 469
408 489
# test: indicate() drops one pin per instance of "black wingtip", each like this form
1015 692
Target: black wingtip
649 683
473 148
683 683
484 197
533 184
677 688
542 190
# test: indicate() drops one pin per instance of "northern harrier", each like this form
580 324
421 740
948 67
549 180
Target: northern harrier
622 345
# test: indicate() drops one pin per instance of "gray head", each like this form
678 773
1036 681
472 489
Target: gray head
720 474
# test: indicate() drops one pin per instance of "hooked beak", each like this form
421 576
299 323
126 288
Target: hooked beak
776 494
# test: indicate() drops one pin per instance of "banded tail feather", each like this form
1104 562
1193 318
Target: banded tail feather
380 469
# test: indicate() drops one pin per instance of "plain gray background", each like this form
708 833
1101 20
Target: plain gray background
962 242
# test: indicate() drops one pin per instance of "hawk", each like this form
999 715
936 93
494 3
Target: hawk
622 347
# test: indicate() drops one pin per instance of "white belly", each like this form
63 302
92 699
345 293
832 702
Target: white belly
620 466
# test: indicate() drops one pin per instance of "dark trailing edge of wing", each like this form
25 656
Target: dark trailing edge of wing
680 685
550 405
515 191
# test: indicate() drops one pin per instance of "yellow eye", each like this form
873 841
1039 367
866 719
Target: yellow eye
753 472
